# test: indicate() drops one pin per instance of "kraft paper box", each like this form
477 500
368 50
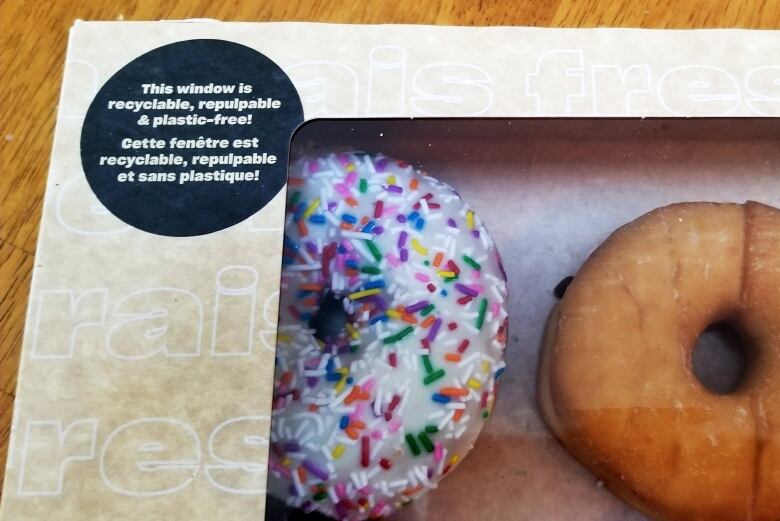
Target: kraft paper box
147 367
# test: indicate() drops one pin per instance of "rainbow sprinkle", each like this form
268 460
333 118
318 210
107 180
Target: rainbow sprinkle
372 413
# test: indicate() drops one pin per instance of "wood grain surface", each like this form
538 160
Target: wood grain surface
33 37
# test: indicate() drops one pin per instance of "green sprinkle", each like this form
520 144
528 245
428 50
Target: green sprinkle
392 339
371 270
412 444
431 429
426 262
427 364
427 310
485 413
450 279
374 250
425 441
471 262
433 376
481 316
363 186
295 198
319 496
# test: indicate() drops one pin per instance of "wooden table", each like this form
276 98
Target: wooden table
32 51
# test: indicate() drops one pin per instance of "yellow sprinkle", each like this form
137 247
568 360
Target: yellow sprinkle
474 383
454 459
352 331
486 367
470 219
365 293
350 167
311 208
337 451
419 248
391 180
282 337
393 314
286 462
340 385
445 274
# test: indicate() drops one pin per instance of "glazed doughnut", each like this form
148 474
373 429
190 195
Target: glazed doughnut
616 381
391 335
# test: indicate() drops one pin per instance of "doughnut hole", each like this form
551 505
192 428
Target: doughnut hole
330 320
720 358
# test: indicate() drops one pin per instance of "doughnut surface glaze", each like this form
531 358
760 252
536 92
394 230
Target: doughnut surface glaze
616 383
391 336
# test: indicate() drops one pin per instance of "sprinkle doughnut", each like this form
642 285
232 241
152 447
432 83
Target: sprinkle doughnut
392 328
616 381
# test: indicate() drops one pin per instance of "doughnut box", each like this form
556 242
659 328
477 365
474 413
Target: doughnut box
295 271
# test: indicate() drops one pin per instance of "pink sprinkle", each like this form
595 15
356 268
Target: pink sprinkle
438 452
393 260
376 434
421 277
347 246
495 309
314 167
394 425
358 412
377 510
343 189
369 384
351 178
479 288
341 489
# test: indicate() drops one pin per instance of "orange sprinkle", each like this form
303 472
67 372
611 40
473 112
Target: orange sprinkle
428 321
357 424
303 231
364 220
453 391
413 183
353 395
410 491
309 302
295 181
302 474
351 272
345 226
458 415
452 357
352 433
286 377
437 259
409 319
351 201
313 408
311 286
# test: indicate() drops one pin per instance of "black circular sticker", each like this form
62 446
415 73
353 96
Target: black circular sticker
190 138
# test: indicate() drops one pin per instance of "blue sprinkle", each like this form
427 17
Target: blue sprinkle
351 219
290 244
344 423
374 284
440 398
333 377
317 219
413 216
329 365
287 261
341 249
443 293
419 224
378 318
368 227
350 380
303 293
299 212
352 263
500 372
305 316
